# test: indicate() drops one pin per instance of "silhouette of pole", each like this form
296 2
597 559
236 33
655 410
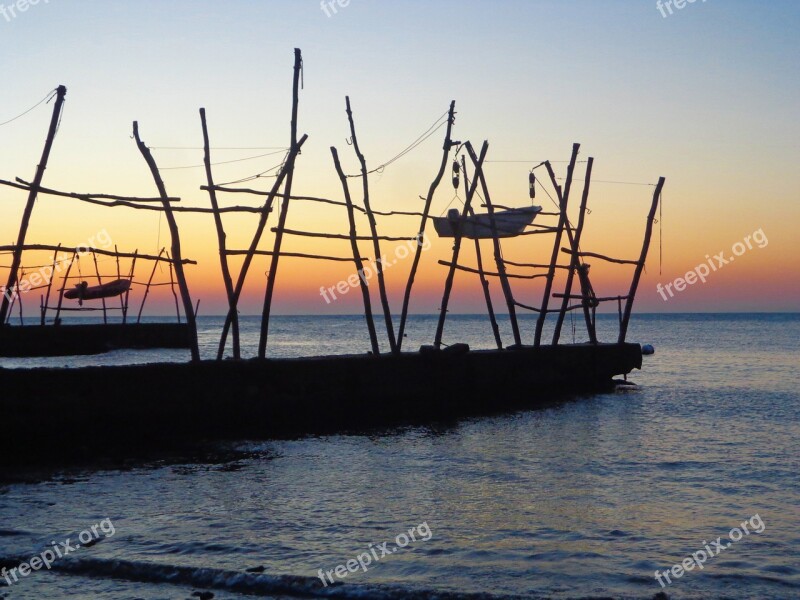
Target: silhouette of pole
637 274
61 93
376 245
448 144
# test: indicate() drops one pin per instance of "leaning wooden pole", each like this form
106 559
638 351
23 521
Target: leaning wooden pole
575 261
498 254
100 282
479 259
637 274
448 144
563 222
448 283
64 287
223 257
172 289
176 258
253 250
147 287
583 271
128 291
287 193
351 217
376 245
61 92
50 284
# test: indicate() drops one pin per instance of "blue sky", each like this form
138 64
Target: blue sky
707 97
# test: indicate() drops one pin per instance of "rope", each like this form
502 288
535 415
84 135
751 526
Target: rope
224 162
412 146
258 175
47 98
217 148
615 182
532 161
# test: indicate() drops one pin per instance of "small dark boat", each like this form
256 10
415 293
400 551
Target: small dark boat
509 223
83 291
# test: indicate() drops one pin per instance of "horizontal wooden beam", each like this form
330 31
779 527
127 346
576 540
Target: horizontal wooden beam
601 257
489 273
294 255
82 250
591 300
220 188
340 236
25 185
532 265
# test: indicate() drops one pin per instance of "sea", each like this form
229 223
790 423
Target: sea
694 471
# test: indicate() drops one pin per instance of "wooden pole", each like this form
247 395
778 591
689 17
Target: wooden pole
287 192
563 198
50 284
176 257
100 282
253 250
484 281
448 144
147 287
498 255
583 272
119 276
63 287
61 92
575 261
128 291
448 284
637 274
376 246
373 338
172 289
223 257
19 300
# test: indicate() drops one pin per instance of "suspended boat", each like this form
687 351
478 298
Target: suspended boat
83 291
509 223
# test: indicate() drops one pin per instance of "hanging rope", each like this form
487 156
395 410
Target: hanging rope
217 148
442 120
47 98
224 162
259 175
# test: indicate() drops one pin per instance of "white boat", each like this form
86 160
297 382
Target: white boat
509 223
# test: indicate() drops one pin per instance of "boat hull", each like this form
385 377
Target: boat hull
96 292
509 223
95 412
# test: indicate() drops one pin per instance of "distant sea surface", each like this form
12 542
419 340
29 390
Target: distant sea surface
586 498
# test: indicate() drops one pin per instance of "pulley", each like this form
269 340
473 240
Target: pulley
456 174
532 185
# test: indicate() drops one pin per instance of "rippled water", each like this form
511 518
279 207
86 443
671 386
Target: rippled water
585 498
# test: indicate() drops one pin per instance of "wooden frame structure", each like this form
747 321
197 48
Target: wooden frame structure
282 189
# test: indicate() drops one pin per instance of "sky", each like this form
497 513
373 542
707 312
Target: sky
707 97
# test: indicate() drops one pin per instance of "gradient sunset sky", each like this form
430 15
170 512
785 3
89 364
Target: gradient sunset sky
707 97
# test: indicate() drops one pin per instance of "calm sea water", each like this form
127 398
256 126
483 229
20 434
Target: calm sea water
586 498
